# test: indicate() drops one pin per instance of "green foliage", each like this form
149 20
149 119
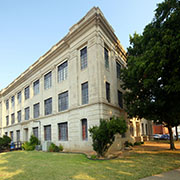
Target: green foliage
104 135
34 140
137 143
152 79
93 157
30 146
61 147
53 148
4 142
27 146
128 144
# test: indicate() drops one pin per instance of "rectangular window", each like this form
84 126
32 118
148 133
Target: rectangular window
146 129
84 129
12 118
106 58
63 131
47 80
142 126
19 97
26 93
18 135
62 71
7 120
36 110
19 116
48 106
12 101
36 87
84 90
108 92
118 70
11 136
7 104
35 131
47 133
63 101
120 99
27 112
83 56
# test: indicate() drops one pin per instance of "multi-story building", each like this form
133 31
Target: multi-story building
68 89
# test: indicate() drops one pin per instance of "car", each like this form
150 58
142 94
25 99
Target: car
156 136
164 136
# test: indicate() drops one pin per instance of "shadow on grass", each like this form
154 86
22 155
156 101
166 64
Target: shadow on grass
34 165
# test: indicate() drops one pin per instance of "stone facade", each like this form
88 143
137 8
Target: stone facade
94 33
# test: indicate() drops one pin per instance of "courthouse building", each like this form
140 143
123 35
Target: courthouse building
70 88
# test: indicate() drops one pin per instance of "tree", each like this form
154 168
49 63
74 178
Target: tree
152 76
103 135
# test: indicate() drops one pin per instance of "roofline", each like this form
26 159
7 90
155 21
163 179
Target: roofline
94 15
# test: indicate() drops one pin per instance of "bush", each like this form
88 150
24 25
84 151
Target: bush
34 140
128 144
27 146
93 157
104 135
53 148
61 147
137 143
4 142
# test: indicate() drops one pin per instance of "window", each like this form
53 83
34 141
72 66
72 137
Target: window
19 116
27 113
131 129
35 131
48 106
120 99
11 135
63 131
6 133
7 120
83 54
18 135
12 101
142 126
36 110
47 133
108 91
47 81
62 71
36 87
26 93
19 97
63 101
84 129
84 89
7 104
118 70
12 118
106 58
146 129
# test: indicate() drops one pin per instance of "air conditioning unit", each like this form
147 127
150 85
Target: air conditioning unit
45 145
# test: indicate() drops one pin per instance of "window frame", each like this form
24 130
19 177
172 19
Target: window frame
12 118
85 93
63 101
27 116
27 93
106 57
108 92
19 97
19 116
36 113
84 129
120 99
63 128
48 83
83 58
62 71
118 70
45 108
36 87
45 133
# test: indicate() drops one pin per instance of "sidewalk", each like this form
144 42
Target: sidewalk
170 175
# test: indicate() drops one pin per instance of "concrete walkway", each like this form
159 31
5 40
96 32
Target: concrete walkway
170 175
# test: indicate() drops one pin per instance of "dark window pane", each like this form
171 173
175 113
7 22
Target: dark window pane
84 88
83 54
108 92
63 101
47 80
48 106
63 131
26 92
118 70
84 129
36 110
47 133
62 71
106 57
120 99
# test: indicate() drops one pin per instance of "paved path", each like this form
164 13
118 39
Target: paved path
170 175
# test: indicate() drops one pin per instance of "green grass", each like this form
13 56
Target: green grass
22 165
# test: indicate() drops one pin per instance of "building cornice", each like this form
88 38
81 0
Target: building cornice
93 18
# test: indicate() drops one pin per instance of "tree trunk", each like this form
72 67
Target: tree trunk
176 133
172 146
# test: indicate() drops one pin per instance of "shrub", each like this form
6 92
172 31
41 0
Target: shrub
34 140
4 142
137 143
61 147
104 135
53 148
128 144
27 146
93 157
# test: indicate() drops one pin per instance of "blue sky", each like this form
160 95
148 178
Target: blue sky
28 29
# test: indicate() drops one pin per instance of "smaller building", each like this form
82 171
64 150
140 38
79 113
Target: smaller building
160 129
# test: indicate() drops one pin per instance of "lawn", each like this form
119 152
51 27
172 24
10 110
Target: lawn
22 165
